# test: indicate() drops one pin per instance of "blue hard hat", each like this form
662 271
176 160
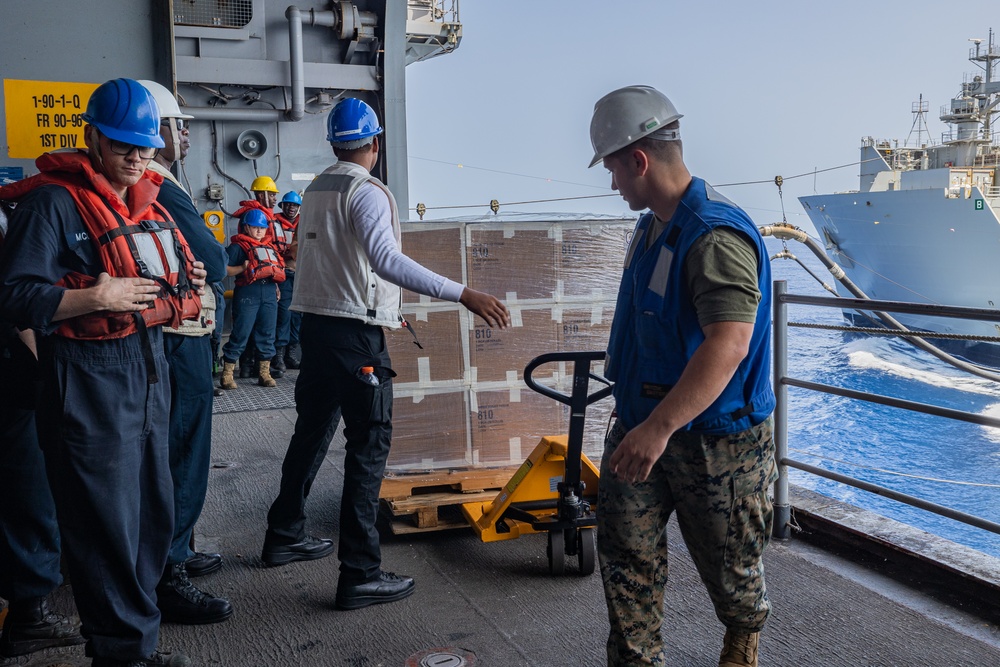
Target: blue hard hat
254 218
292 197
124 110
351 124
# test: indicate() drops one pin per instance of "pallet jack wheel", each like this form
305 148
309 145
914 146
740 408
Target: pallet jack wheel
556 551
585 550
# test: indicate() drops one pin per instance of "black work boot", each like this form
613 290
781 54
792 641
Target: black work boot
248 366
32 626
181 602
388 587
278 360
293 356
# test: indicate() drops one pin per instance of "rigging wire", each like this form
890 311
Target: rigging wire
807 173
421 208
461 165
514 203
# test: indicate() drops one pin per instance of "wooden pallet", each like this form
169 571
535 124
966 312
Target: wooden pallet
398 486
428 512
432 501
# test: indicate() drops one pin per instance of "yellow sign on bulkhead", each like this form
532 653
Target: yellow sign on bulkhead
44 116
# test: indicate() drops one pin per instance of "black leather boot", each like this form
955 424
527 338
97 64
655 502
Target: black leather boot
32 626
293 356
181 602
388 587
248 366
278 361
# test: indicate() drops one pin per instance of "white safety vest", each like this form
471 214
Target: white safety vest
333 274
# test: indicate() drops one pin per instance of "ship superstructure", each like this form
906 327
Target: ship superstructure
258 77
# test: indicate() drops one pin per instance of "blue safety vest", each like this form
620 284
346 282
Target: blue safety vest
655 330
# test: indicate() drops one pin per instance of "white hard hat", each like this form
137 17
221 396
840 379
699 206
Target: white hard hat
164 99
626 115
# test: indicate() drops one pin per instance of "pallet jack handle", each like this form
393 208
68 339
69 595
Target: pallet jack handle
579 370
577 401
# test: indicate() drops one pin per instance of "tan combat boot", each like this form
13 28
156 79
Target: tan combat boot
227 381
264 378
739 650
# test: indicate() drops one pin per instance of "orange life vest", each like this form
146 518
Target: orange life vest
284 235
143 244
263 261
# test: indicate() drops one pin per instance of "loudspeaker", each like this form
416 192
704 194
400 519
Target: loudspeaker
251 144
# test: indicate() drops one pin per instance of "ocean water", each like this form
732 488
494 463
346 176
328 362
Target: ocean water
952 463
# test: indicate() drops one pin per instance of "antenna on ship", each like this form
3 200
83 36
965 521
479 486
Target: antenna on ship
918 109
985 60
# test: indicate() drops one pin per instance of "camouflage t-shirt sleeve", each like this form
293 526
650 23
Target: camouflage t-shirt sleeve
721 275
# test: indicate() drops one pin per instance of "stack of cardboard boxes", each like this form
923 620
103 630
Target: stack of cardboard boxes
461 401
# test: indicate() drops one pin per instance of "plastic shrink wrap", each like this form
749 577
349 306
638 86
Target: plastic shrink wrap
461 401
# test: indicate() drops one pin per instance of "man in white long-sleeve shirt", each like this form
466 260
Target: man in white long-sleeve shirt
350 271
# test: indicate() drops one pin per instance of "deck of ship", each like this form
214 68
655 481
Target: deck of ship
495 604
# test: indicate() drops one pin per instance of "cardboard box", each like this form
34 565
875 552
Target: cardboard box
441 333
591 259
512 262
584 328
429 430
500 355
508 423
435 246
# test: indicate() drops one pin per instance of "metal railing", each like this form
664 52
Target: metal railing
782 381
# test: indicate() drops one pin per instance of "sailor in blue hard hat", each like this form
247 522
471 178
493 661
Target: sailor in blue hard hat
352 124
257 268
95 268
123 120
290 204
350 271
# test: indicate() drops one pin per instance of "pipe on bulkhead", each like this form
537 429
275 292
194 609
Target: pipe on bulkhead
323 18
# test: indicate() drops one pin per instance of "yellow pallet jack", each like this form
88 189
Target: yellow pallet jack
555 490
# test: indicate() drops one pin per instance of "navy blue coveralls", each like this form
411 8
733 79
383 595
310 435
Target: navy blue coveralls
29 534
255 311
289 321
190 359
103 429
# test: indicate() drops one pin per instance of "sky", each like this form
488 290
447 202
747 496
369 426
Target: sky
766 89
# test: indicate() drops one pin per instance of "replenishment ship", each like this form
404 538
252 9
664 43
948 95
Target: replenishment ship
923 227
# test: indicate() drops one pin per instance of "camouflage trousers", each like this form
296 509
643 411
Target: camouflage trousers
718 485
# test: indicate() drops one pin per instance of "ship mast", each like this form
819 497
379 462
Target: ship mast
918 109
971 111
987 59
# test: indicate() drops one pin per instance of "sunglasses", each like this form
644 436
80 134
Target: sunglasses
179 123
122 148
